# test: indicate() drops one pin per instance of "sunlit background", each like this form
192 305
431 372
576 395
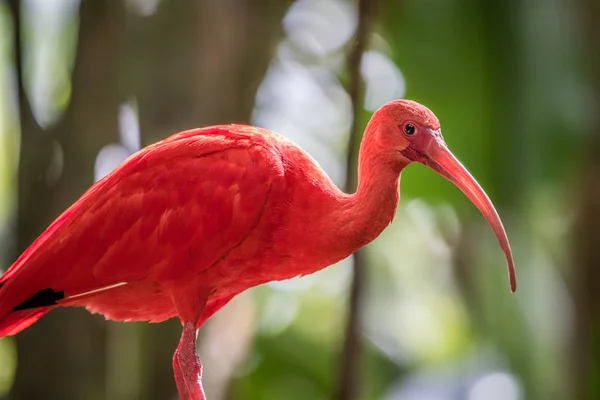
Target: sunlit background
515 85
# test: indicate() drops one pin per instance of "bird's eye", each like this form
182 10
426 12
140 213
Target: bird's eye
409 129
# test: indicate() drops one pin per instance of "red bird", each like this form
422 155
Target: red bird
184 225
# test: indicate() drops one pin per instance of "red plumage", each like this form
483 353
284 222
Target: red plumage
163 220
184 225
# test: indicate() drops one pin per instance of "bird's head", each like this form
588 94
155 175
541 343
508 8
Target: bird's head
408 132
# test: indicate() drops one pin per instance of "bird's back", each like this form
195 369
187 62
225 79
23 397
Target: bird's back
168 213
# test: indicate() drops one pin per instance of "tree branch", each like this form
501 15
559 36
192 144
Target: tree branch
349 383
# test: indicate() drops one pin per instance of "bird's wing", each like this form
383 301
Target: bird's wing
170 210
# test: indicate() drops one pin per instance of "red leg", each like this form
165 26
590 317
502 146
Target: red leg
189 301
187 366
181 388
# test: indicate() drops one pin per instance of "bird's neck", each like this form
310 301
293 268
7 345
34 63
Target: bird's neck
367 212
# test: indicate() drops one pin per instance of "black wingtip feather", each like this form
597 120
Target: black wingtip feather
43 298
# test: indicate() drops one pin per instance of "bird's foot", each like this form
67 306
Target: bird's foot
187 366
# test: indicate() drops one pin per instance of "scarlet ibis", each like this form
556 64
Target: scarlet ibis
184 225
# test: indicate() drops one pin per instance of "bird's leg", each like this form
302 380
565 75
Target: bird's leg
189 300
181 388
187 366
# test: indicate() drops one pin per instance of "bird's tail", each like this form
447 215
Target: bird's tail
14 320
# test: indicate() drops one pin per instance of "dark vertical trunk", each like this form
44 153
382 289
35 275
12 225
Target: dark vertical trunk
206 61
193 64
585 371
62 356
349 381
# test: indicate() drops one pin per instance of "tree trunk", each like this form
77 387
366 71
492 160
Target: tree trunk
349 385
585 371
192 64
62 356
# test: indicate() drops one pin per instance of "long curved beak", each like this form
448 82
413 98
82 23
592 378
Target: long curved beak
441 160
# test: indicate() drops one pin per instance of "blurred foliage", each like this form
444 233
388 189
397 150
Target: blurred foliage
507 80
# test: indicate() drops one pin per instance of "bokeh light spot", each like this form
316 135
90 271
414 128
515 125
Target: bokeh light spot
384 81
495 386
320 26
108 159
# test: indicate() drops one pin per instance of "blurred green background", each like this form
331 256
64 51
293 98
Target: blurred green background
516 85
